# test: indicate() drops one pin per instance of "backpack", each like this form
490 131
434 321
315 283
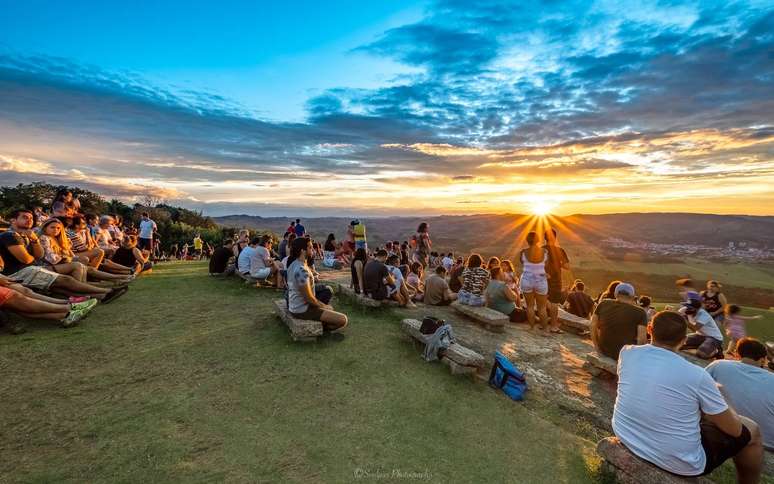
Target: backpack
430 325
507 377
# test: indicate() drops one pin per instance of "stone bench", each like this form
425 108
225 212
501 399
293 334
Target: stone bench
574 323
460 359
630 469
300 329
364 300
596 363
490 319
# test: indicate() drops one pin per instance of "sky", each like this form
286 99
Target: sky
371 108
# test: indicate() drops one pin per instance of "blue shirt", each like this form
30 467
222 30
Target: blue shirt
300 230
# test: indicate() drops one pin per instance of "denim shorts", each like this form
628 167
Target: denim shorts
464 297
536 283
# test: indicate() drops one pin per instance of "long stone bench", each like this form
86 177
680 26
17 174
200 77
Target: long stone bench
596 363
574 323
364 300
300 329
490 319
630 469
460 359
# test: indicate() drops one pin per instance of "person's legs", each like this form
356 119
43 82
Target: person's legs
72 287
746 450
333 320
530 298
541 301
709 348
76 270
104 276
34 295
749 462
35 309
693 341
731 348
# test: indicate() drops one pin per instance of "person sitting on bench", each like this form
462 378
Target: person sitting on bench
618 322
376 277
671 413
437 291
302 302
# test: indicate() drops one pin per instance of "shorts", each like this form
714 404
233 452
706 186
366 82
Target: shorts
312 313
261 273
35 277
470 299
555 293
145 244
719 446
361 244
391 290
536 283
706 346
5 294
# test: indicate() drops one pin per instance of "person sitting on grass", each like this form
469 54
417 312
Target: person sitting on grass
58 254
86 250
103 238
474 281
706 338
262 264
246 255
437 291
32 306
671 413
502 299
20 250
399 291
748 386
376 277
219 261
302 301
618 322
129 255
645 302
578 302
414 281
735 326
330 253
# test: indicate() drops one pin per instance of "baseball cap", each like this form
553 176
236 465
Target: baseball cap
692 300
624 288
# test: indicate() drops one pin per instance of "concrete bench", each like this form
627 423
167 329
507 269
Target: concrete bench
460 359
300 329
596 363
630 469
574 323
490 319
364 300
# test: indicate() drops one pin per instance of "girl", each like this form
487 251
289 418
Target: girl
129 255
493 262
414 281
534 283
474 281
509 275
735 326
422 244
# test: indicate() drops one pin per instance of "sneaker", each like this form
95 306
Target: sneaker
115 294
73 317
77 299
85 305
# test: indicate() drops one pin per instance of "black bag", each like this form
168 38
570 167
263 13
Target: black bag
430 325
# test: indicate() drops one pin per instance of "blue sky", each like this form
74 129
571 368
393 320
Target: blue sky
349 107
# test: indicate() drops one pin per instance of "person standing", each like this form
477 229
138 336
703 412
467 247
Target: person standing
147 229
422 245
557 261
300 229
714 301
534 285
359 231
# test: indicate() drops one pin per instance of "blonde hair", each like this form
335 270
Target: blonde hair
506 265
60 243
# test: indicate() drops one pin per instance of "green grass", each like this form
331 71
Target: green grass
188 378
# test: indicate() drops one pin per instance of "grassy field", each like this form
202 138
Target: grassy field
192 379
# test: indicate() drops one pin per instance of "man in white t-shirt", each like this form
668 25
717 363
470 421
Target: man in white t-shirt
671 413
707 338
447 262
399 290
262 266
244 261
748 386
145 237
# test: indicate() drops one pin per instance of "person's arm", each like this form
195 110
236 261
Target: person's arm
359 272
642 334
728 421
21 254
595 330
723 304
48 253
138 256
510 294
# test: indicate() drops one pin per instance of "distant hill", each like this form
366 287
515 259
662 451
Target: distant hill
467 232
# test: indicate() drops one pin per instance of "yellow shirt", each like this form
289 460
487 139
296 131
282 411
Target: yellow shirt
197 243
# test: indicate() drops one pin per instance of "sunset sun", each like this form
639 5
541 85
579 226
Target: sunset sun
541 207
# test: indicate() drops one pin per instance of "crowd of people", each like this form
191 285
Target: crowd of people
59 265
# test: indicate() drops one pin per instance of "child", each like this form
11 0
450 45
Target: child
645 303
414 281
735 326
511 279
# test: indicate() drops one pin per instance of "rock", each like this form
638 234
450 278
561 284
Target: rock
300 329
630 469
492 320
602 362
573 322
458 354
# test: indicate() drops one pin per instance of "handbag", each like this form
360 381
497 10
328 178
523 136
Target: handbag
430 325
506 377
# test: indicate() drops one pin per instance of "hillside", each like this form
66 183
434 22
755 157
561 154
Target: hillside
466 232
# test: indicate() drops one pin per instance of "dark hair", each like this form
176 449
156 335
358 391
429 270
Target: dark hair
403 269
450 255
532 238
299 244
422 227
145 214
494 272
416 267
292 237
440 270
381 253
684 282
256 240
228 242
474 260
733 309
610 291
668 328
77 220
298 220
19 211
60 194
393 259
360 254
579 285
285 235
545 234
751 348
265 239
492 260
645 301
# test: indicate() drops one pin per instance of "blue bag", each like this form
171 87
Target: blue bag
507 377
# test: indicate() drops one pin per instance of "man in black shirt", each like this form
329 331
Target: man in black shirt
376 276
618 322
557 260
578 302
219 265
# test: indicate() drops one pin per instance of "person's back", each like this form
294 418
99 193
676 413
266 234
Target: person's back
259 258
146 228
475 280
374 273
298 277
436 290
197 243
124 256
300 230
244 260
454 278
617 326
579 303
496 299
219 259
750 391
661 397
